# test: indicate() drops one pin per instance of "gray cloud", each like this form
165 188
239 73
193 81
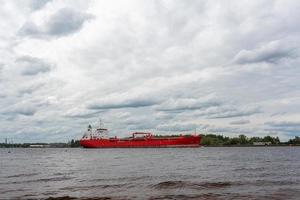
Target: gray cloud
177 127
177 105
30 29
38 4
230 112
131 103
291 128
141 126
27 111
240 122
233 131
270 52
83 114
29 88
1 69
64 22
283 123
32 66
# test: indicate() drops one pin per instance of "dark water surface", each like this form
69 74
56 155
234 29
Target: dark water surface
188 173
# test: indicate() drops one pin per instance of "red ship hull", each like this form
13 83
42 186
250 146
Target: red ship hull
144 142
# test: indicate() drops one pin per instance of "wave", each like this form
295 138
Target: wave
122 179
80 188
21 175
192 185
74 198
41 180
87 198
220 185
273 182
247 169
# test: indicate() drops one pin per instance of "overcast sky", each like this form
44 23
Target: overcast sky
224 67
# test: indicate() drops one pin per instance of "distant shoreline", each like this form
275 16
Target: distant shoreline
282 145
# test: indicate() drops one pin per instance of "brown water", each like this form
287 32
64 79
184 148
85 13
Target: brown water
188 173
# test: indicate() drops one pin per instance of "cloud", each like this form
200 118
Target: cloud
185 104
30 88
38 4
25 111
1 69
270 53
141 126
283 123
233 131
64 22
32 66
82 114
240 122
129 103
230 111
177 127
291 128
20 110
30 29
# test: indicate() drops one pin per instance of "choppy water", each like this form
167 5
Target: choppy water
188 173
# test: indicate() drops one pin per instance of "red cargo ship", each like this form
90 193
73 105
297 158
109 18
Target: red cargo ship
99 139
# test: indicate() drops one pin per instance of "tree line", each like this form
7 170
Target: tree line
295 141
220 140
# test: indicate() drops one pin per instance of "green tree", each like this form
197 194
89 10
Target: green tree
243 139
295 141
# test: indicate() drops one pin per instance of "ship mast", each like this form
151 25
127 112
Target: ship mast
101 131
101 124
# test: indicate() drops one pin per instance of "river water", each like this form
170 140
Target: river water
179 173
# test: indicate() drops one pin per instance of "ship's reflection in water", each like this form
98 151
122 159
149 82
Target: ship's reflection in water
189 173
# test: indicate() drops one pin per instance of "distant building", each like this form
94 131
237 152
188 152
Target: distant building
261 143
